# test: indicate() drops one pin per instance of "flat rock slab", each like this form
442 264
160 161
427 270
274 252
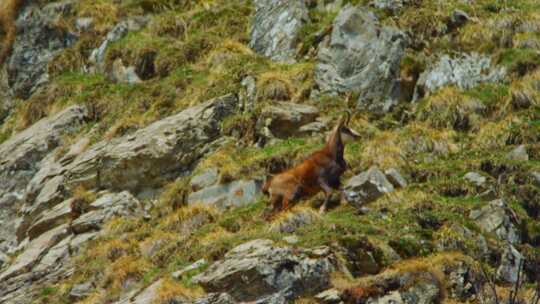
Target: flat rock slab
231 195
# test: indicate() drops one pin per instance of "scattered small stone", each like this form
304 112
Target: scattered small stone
206 179
475 178
496 217
536 176
84 23
197 265
367 187
459 18
395 178
329 296
519 154
291 239
81 291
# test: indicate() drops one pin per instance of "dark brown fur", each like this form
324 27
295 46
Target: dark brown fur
321 171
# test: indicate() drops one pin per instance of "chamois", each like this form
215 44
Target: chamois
321 171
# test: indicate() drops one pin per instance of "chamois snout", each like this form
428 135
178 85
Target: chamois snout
348 135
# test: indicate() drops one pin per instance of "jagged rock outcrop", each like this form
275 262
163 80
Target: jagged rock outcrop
497 218
362 57
22 155
276 28
39 39
511 262
259 269
465 71
284 119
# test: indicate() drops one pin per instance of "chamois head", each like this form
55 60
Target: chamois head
347 134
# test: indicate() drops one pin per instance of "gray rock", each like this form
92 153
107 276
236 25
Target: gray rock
34 252
459 18
205 179
511 261
536 177
461 282
362 57
232 195
393 297
465 71
367 187
393 5
276 27
250 94
395 178
216 298
284 119
197 265
519 154
4 259
39 39
81 291
291 239
330 296
58 215
497 218
475 178
83 24
106 207
23 154
97 57
259 269
291 221
422 293
123 74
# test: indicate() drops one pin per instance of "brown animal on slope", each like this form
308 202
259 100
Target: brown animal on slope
321 171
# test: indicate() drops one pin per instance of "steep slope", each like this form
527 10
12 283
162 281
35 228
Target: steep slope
135 135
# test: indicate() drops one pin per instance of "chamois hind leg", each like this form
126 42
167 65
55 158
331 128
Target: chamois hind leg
327 194
276 203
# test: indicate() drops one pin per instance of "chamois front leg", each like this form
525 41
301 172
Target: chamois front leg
327 193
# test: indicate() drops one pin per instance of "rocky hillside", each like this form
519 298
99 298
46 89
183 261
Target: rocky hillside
135 135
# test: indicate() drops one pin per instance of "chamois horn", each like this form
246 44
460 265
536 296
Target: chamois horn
347 117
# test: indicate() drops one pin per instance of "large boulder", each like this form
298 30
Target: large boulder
496 217
23 154
363 57
259 269
367 187
276 27
39 39
465 71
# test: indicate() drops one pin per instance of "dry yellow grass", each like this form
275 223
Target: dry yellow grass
169 290
126 268
8 13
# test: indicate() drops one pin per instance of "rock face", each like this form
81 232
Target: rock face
276 26
367 187
155 154
284 119
23 154
465 72
231 195
362 57
39 40
497 218
259 269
